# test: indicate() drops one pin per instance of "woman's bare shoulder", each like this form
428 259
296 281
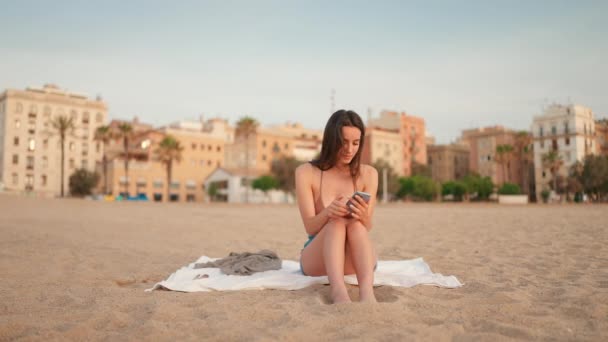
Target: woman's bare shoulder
304 170
368 171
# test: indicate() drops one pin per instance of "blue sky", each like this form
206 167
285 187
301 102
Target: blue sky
458 65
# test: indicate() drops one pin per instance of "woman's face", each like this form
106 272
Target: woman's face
350 145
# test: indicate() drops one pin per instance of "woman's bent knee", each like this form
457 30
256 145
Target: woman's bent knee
356 228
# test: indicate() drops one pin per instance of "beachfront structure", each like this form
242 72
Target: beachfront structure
601 135
383 145
448 162
30 152
482 143
202 153
230 187
306 141
258 152
412 130
567 129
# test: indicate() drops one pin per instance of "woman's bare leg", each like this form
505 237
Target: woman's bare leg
333 258
363 259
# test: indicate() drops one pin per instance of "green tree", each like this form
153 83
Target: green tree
82 182
245 128
420 169
553 161
523 152
62 126
504 155
125 133
393 184
212 191
481 187
594 176
458 189
509 189
265 183
419 188
104 134
284 170
406 187
169 151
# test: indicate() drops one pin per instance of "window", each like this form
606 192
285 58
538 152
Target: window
16 141
544 174
15 159
34 109
43 180
194 146
15 179
219 148
175 185
45 143
276 148
566 128
17 123
31 145
554 144
209 147
31 131
208 162
71 164
157 184
19 107
553 130
567 140
263 143
45 161
29 163
541 131
29 182
263 157
85 118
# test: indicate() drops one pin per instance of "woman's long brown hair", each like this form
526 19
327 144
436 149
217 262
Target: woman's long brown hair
333 141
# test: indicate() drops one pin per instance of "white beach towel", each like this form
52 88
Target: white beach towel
404 273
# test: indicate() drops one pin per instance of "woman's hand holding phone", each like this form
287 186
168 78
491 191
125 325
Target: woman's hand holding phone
337 208
360 210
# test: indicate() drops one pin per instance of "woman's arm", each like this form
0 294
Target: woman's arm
364 211
306 203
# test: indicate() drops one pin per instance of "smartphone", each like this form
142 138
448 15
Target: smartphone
364 195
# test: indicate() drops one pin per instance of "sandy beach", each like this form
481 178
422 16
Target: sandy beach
77 269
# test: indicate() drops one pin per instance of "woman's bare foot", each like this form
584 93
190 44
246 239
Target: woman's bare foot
367 296
340 295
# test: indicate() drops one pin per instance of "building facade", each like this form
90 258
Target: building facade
483 158
412 130
601 134
448 162
383 145
567 129
202 153
30 151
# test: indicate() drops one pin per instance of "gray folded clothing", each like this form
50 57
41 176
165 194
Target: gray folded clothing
245 263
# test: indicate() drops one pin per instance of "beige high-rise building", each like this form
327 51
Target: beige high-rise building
306 141
383 145
413 136
30 152
264 146
601 133
203 152
568 130
482 143
448 162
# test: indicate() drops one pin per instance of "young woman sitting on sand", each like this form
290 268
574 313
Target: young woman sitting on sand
339 242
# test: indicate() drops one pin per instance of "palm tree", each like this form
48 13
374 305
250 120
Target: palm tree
553 161
504 154
246 127
125 133
104 134
168 151
62 126
523 150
